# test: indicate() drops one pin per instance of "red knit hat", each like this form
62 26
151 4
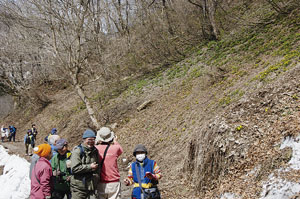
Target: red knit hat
43 150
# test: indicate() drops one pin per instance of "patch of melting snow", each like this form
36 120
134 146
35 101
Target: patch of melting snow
277 188
228 196
14 182
295 145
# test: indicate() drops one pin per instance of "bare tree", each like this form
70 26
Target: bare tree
74 37
283 6
208 10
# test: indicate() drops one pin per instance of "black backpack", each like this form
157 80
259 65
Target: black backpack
28 141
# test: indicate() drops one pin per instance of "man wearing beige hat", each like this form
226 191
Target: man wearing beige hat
109 150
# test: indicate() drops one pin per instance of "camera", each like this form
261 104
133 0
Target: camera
60 177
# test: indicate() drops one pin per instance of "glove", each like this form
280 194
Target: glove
150 176
56 172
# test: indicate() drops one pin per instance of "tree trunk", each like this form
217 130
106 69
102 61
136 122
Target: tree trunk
86 101
212 9
208 11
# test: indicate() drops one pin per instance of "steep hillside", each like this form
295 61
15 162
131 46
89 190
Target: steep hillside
212 118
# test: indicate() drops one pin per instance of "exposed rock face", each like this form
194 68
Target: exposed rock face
246 136
6 105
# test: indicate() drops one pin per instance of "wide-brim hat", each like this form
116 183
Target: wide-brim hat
105 135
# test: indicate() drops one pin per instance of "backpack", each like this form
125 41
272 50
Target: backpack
33 162
81 150
27 141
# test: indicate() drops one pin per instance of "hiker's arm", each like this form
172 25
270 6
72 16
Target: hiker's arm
76 163
120 150
129 180
54 165
45 182
156 171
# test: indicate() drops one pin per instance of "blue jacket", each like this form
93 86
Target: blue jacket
147 166
12 129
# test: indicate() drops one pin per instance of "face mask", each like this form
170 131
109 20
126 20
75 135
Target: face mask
140 157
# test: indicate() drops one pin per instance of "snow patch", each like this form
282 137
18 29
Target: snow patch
15 182
228 196
277 188
295 145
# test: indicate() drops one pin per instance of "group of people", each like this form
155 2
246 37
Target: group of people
8 132
90 170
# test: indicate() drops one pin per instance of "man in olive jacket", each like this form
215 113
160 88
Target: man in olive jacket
85 168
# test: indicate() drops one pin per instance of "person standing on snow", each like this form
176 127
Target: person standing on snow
109 186
143 173
61 168
85 168
41 177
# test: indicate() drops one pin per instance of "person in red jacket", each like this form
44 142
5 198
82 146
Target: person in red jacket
41 176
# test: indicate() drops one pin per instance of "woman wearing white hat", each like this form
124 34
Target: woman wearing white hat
109 150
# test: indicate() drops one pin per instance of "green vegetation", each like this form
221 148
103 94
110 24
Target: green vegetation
235 95
290 59
235 56
278 40
79 107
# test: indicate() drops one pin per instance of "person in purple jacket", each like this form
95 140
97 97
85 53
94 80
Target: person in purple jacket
41 176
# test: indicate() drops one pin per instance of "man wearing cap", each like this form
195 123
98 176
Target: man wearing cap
85 170
109 186
41 180
61 170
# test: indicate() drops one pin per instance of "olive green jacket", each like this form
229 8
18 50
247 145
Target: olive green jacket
84 179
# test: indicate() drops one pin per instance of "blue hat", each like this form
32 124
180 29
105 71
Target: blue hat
88 134
53 131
